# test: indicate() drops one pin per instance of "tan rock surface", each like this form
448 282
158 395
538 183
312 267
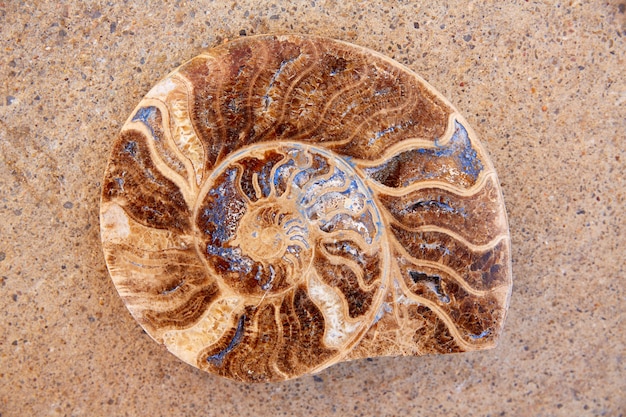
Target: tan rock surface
542 85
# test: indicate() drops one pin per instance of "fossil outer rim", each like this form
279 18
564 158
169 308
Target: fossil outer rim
411 257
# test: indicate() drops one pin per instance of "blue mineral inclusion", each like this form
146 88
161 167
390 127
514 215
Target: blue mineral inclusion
144 113
378 135
218 358
267 100
434 205
236 262
146 116
220 212
481 335
131 148
265 184
281 172
460 149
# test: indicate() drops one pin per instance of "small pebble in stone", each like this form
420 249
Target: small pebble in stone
3 256
68 205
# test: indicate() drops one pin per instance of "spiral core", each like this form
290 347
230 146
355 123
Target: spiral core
268 209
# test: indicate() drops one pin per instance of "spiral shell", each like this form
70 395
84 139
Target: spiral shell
279 204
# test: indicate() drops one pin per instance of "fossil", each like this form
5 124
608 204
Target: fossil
279 204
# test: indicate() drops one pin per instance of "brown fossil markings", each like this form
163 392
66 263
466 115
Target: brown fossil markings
313 202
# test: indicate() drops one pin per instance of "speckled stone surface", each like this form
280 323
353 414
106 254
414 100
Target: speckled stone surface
543 85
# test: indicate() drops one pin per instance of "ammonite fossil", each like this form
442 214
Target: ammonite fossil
279 204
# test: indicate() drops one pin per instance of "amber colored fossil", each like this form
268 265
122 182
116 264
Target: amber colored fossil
279 204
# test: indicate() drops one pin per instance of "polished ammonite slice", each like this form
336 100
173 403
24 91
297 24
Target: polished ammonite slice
279 204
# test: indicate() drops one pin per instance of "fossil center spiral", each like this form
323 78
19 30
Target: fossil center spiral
268 208
262 243
269 232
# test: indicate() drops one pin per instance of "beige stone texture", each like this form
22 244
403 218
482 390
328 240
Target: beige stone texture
541 82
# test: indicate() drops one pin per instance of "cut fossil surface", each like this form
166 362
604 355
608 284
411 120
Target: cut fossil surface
279 204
